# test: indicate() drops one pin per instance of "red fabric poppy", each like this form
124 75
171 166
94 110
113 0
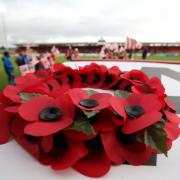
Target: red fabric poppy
55 119
119 149
66 75
114 70
110 80
55 88
172 117
172 130
152 85
95 163
147 113
101 100
67 157
37 147
170 104
91 76
5 120
135 76
103 121
12 92
33 86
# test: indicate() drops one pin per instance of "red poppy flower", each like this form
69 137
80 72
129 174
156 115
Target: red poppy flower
46 115
34 85
82 100
95 163
136 111
110 80
170 104
172 117
36 146
152 85
135 76
43 73
55 88
5 120
120 148
66 75
103 121
114 70
172 130
66 152
91 76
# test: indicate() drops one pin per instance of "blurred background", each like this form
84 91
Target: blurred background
60 30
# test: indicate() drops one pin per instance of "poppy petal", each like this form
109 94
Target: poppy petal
102 98
172 117
118 103
137 154
172 130
76 151
45 129
78 135
31 109
12 109
77 95
47 143
93 165
154 105
113 148
170 104
5 119
12 92
104 122
134 125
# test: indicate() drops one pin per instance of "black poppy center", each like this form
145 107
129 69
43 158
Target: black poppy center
32 139
134 111
70 78
60 141
89 103
83 77
94 145
97 78
109 79
124 138
58 73
50 114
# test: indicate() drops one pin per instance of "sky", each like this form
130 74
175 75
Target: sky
53 21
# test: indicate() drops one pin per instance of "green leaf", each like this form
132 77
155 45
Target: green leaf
83 126
90 114
27 96
121 93
91 92
155 137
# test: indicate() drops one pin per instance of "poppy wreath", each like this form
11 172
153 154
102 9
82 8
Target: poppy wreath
63 120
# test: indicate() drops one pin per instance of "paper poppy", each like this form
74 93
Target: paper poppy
137 112
66 151
46 115
82 100
95 163
91 76
5 120
121 148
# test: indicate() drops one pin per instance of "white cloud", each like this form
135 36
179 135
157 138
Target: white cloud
84 20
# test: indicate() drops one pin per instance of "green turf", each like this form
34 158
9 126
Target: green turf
161 58
61 59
